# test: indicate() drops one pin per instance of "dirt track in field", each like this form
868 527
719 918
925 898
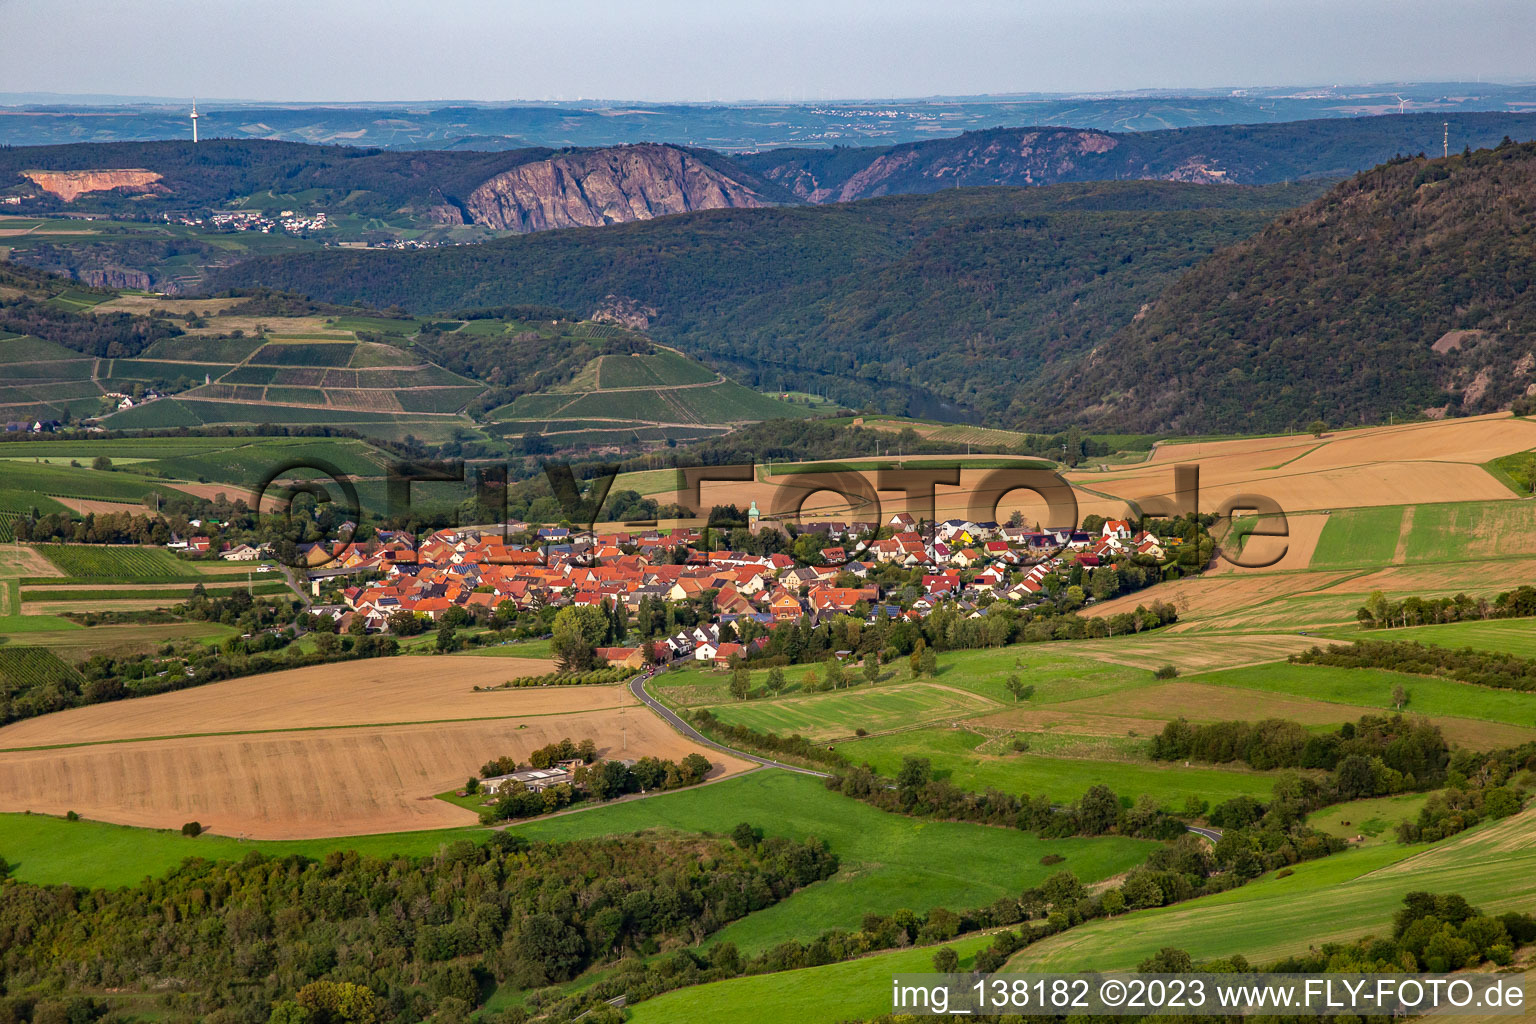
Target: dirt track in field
376 691
329 782
1204 596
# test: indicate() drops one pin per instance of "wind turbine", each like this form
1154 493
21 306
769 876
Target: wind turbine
194 120
1400 102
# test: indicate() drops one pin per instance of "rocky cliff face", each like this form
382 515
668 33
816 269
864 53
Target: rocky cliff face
607 186
69 185
117 277
1029 156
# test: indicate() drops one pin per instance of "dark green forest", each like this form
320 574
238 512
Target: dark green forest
1332 312
910 304
272 938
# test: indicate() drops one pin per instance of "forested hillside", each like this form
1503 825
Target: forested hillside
1254 154
1406 289
935 304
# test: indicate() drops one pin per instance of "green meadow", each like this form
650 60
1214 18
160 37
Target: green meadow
953 755
888 861
52 851
840 713
1358 537
1374 818
1501 636
852 990
1369 687
1345 896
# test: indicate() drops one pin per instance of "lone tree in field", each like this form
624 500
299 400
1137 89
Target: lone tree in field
946 961
1015 686
741 682
577 632
929 663
916 660
775 681
1399 696
871 670
1317 428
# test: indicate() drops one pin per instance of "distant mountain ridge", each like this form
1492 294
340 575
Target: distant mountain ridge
510 190
538 188
1258 154
1122 306
49 119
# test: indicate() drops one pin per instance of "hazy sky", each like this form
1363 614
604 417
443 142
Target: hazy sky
744 49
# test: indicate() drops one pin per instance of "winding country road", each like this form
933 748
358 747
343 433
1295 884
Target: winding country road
637 687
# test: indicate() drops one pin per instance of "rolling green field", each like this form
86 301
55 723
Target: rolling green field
1503 636
834 715
1372 688
1358 537
953 755
1345 896
852 990
52 851
1056 675
1341 897
887 861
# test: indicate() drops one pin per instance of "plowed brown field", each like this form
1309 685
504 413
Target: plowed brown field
321 751
326 782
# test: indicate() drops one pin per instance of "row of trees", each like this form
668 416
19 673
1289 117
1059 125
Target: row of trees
1379 612
1484 668
104 677
1412 749
551 753
915 791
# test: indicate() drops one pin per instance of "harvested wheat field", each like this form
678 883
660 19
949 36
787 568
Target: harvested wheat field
377 691
1474 439
233 492
1408 464
1204 596
1398 581
1192 653
327 782
145 303
97 506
